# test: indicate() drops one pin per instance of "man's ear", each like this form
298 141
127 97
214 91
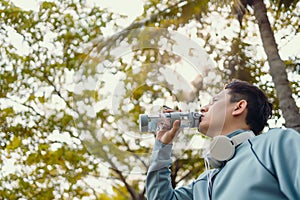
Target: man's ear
239 108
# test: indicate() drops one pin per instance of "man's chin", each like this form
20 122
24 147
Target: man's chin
202 130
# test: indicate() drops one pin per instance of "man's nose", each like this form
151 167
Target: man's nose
204 109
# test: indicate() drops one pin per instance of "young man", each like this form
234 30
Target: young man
248 166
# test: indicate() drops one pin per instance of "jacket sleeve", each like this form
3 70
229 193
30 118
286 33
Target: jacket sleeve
285 150
158 181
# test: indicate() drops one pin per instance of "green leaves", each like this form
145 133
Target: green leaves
15 143
70 94
35 100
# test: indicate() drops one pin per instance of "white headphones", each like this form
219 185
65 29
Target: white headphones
222 148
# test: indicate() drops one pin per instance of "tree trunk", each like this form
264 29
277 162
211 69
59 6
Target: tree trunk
287 104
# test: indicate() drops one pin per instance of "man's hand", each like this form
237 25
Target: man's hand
167 136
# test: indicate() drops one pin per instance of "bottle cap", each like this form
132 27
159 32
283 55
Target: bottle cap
143 122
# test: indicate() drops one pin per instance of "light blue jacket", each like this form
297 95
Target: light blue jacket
265 167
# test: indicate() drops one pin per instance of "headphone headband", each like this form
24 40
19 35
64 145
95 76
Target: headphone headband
240 138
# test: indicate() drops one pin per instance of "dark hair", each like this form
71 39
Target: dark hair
259 108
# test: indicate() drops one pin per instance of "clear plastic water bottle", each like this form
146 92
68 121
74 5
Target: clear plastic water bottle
164 121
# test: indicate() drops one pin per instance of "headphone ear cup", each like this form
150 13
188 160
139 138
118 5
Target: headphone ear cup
221 148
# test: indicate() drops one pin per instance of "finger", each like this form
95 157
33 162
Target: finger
175 128
169 136
168 110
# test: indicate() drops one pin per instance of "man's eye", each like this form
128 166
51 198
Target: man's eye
213 100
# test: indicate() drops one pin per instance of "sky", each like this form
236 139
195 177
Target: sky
287 48
116 5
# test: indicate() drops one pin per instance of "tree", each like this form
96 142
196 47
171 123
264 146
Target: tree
169 17
63 119
36 100
278 71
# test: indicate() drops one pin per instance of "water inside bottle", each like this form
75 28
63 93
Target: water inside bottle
184 122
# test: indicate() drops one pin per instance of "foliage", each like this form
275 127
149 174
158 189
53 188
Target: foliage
71 95
36 99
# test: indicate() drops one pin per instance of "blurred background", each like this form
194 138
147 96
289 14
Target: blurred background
76 74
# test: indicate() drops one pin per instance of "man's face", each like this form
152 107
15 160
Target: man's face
217 115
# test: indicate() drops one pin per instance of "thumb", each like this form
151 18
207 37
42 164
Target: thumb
175 128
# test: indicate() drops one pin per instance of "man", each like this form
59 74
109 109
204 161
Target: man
265 166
